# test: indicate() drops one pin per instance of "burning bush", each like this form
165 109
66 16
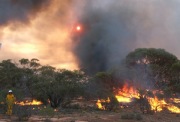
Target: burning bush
159 69
110 104
149 102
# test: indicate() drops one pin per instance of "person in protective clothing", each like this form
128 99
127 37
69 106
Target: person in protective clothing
10 100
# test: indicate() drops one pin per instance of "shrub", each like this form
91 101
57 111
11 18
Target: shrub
22 112
48 111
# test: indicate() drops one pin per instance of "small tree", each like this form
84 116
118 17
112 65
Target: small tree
59 87
10 74
174 83
153 64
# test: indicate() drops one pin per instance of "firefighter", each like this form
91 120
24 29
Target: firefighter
10 100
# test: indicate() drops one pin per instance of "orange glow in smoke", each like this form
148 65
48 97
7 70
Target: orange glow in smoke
50 42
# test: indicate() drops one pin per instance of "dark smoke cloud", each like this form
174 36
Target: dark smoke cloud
113 28
19 10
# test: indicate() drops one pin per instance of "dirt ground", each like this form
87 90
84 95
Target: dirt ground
97 116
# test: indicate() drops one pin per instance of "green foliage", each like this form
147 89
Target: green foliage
174 83
10 74
3 94
106 83
22 112
17 93
61 86
24 61
47 111
176 67
152 56
57 86
41 82
156 66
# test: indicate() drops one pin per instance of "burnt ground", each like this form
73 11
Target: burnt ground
81 115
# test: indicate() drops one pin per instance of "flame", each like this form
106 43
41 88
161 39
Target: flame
126 94
33 102
173 109
175 100
99 103
123 99
156 105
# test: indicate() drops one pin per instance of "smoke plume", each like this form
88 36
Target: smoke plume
19 10
110 30
113 28
38 29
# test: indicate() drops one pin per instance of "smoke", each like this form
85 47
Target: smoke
37 29
113 28
19 10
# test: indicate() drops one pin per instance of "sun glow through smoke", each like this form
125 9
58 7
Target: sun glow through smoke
78 28
46 37
44 33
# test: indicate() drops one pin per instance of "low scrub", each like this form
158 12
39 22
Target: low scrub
48 111
22 112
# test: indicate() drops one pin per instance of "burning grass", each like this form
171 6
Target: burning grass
148 101
27 102
130 113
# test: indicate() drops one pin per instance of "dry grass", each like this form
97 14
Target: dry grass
92 115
